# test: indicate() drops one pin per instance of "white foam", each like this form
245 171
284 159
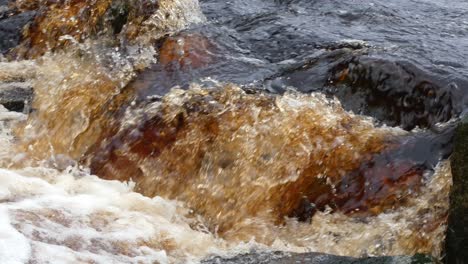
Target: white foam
14 247
71 216
74 217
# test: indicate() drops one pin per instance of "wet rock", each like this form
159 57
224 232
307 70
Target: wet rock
186 51
457 234
11 26
311 74
16 96
396 93
211 139
386 180
181 57
80 20
105 62
5 9
314 258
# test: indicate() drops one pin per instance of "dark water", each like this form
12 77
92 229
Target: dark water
410 68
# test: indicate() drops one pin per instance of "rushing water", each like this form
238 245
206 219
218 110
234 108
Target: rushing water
171 131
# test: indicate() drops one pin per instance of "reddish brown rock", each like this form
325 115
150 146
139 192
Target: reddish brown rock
233 156
80 20
186 51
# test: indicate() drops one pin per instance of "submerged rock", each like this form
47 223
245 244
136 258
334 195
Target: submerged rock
315 258
186 51
211 142
60 23
234 156
74 98
396 93
116 23
457 233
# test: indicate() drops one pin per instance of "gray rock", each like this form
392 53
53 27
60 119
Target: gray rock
313 258
16 96
5 11
11 26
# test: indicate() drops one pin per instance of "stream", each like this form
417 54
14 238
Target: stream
185 131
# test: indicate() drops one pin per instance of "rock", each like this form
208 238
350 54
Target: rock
15 96
192 143
457 234
4 10
313 258
373 187
11 26
80 20
396 93
186 51
205 122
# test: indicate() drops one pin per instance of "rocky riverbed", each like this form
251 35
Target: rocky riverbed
175 131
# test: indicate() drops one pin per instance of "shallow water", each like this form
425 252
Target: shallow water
271 162
259 39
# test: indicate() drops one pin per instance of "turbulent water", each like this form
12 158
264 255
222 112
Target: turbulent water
171 131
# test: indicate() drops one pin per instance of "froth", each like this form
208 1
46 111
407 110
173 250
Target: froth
77 217
72 216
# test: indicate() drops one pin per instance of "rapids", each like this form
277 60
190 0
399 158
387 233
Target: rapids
171 131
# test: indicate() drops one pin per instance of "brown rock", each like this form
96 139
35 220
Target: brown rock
186 51
233 156
80 20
